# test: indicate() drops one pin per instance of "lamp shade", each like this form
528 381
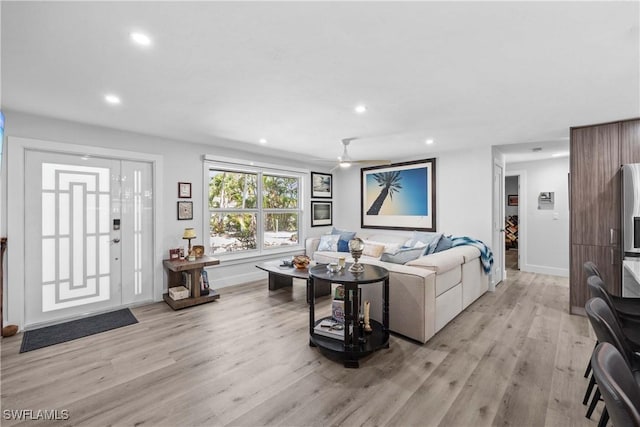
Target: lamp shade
189 233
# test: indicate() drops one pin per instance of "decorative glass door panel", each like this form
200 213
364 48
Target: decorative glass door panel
74 236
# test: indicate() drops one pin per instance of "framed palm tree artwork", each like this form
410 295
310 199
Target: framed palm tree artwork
400 196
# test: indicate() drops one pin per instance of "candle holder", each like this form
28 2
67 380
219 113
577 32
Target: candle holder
356 246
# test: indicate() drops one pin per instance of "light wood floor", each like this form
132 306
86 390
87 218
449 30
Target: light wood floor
514 358
511 259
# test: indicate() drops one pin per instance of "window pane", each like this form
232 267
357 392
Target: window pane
232 232
279 192
232 190
280 229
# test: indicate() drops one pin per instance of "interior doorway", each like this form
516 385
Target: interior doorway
512 222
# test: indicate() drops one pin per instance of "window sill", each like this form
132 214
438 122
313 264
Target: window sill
235 259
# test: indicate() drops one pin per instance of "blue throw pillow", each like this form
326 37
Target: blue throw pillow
343 245
428 241
402 256
344 235
444 244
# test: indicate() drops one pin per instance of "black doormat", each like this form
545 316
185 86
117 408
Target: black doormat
63 332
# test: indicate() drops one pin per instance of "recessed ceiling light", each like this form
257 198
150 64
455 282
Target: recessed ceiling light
112 99
429 141
262 141
140 38
361 109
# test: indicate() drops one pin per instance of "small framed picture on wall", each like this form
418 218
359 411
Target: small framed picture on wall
184 190
321 185
321 214
185 210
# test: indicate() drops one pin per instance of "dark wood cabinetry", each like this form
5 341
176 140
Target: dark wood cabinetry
630 142
596 155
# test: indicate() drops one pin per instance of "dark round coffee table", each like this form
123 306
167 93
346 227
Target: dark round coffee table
357 343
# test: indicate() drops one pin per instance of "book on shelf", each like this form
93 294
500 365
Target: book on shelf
186 280
337 310
204 280
330 328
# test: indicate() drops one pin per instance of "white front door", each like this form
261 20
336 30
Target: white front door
498 225
88 235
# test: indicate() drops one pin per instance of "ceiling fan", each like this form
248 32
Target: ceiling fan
345 160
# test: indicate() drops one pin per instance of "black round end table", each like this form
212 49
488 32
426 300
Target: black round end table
357 343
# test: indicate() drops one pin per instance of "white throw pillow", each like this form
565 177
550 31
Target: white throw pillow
329 242
373 250
390 248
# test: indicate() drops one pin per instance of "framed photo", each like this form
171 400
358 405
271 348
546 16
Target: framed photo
174 253
185 210
184 190
400 196
321 185
321 214
512 200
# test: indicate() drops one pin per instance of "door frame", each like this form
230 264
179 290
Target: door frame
16 148
497 224
522 216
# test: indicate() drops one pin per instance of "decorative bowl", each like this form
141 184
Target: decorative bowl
301 262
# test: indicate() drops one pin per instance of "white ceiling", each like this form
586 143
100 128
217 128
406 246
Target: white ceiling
462 73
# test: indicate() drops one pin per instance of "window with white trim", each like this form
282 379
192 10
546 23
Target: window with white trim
253 210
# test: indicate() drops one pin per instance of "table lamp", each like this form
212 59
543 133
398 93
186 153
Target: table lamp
189 234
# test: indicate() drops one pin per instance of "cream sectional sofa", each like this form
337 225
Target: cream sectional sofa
424 294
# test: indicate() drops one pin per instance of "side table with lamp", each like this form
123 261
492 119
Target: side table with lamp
193 266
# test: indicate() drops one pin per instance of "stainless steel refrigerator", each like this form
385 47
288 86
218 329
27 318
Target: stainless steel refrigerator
631 230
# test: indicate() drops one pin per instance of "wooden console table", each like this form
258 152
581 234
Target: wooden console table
175 268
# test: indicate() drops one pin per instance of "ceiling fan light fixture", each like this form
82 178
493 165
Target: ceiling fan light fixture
345 164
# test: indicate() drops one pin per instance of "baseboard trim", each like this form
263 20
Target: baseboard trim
238 279
541 269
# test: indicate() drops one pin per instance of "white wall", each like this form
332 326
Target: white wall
547 231
183 162
463 195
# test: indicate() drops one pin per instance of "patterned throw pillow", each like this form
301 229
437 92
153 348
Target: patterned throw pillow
329 242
